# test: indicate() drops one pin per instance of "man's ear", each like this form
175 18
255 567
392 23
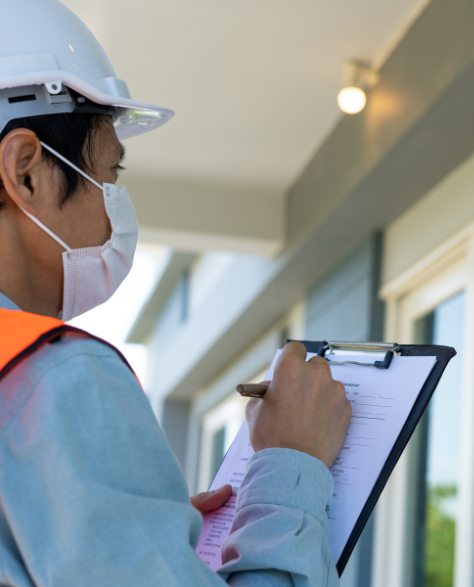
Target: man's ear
22 167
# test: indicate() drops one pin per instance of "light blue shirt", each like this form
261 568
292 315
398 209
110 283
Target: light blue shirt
91 494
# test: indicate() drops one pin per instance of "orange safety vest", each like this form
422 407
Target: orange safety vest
22 334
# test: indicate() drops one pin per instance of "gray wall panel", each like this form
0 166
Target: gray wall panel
175 423
171 317
346 318
173 416
343 305
355 267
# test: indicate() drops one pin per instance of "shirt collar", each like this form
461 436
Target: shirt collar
7 304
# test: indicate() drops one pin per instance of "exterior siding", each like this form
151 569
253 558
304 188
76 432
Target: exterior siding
344 306
172 316
173 416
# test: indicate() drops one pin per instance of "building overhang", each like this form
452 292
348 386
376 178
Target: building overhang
173 265
417 127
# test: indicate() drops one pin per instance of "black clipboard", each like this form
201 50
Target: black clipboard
443 355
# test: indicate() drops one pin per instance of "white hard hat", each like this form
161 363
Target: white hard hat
45 51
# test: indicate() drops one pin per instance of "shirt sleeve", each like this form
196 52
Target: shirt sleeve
92 494
279 536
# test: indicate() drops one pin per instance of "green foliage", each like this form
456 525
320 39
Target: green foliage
439 542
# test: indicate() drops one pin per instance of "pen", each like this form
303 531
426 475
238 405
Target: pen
252 389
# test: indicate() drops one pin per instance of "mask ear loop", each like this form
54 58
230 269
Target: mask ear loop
46 229
64 160
38 222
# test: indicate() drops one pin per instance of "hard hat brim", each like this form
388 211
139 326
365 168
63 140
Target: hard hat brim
133 117
137 118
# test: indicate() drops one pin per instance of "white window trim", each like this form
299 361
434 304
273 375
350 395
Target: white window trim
438 276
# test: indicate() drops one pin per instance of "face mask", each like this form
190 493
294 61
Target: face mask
93 275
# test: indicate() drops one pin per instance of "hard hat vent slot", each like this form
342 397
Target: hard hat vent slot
16 99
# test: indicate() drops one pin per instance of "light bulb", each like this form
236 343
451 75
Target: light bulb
351 100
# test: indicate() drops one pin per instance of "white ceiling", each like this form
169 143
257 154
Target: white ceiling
253 82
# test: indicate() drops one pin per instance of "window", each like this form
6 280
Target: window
424 527
219 428
440 447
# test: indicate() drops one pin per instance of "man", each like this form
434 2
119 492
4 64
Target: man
90 493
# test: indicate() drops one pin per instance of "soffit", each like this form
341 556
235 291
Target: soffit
253 83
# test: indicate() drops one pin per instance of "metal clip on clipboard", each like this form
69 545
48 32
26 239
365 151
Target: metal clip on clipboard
384 349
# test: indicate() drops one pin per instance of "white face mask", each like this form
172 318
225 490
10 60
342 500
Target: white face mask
93 275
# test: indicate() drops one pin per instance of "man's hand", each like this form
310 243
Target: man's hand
211 500
303 409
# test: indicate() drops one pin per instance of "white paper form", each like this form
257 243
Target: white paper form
381 400
217 524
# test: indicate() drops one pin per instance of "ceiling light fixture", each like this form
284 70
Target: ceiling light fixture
357 77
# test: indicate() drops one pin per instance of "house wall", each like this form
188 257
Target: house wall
428 258
401 167
173 416
344 305
443 212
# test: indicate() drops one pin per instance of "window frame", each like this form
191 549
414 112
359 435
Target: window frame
440 275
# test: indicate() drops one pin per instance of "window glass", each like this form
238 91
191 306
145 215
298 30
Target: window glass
218 451
219 428
220 425
440 447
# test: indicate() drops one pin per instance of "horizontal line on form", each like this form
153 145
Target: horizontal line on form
365 418
373 405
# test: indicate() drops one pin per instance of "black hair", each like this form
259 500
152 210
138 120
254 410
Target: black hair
72 136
